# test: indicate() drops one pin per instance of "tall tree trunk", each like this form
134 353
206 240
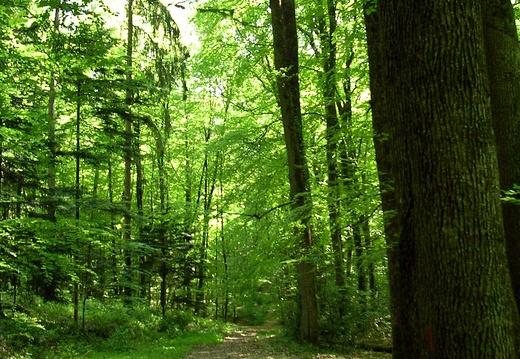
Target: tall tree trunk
5 206
333 136
113 256
139 178
102 264
446 178
162 204
127 195
162 140
188 221
50 285
139 193
225 262
370 266
77 195
209 187
51 210
285 42
503 63
222 281
400 245
359 249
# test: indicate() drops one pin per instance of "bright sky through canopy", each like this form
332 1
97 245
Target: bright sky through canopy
181 15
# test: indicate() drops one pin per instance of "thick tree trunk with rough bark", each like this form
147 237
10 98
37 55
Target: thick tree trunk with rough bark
444 165
503 62
286 61
399 245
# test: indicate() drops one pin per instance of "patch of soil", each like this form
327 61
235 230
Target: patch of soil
259 343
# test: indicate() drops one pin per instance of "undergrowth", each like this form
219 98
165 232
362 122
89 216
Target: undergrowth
110 330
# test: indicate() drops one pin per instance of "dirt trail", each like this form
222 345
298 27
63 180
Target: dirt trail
260 343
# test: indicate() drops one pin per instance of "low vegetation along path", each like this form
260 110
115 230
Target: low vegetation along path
262 343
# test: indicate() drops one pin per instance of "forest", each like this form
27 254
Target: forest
343 173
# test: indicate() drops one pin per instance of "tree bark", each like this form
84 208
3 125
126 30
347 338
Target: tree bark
188 225
52 129
209 179
333 135
359 249
285 42
127 195
400 245
50 287
162 197
77 195
503 63
446 178
369 247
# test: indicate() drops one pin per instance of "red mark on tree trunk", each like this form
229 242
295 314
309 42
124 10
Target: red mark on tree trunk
431 347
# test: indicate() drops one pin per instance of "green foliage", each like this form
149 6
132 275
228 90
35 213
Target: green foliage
111 331
512 196
216 224
18 332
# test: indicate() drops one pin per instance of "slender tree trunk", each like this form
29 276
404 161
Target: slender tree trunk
221 280
446 178
347 157
50 286
201 268
209 187
77 195
127 195
226 271
102 264
285 42
188 218
139 194
400 245
359 249
368 246
52 129
162 194
113 256
333 136
503 63
161 149
188 225
5 206
223 244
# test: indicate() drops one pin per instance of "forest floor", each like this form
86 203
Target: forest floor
264 342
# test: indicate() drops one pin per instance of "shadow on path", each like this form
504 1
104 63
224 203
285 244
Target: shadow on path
261 343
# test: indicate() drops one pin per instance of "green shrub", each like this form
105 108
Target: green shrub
103 320
176 322
17 333
111 329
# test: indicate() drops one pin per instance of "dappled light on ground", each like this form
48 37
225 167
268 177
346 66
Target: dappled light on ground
263 343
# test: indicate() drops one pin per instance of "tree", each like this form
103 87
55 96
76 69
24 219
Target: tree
400 244
285 42
329 50
212 197
445 173
52 121
503 63
128 135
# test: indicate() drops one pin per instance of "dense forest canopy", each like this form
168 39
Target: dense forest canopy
147 158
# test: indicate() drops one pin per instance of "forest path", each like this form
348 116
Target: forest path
260 342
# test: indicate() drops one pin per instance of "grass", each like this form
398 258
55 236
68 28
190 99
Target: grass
165 348
112 330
